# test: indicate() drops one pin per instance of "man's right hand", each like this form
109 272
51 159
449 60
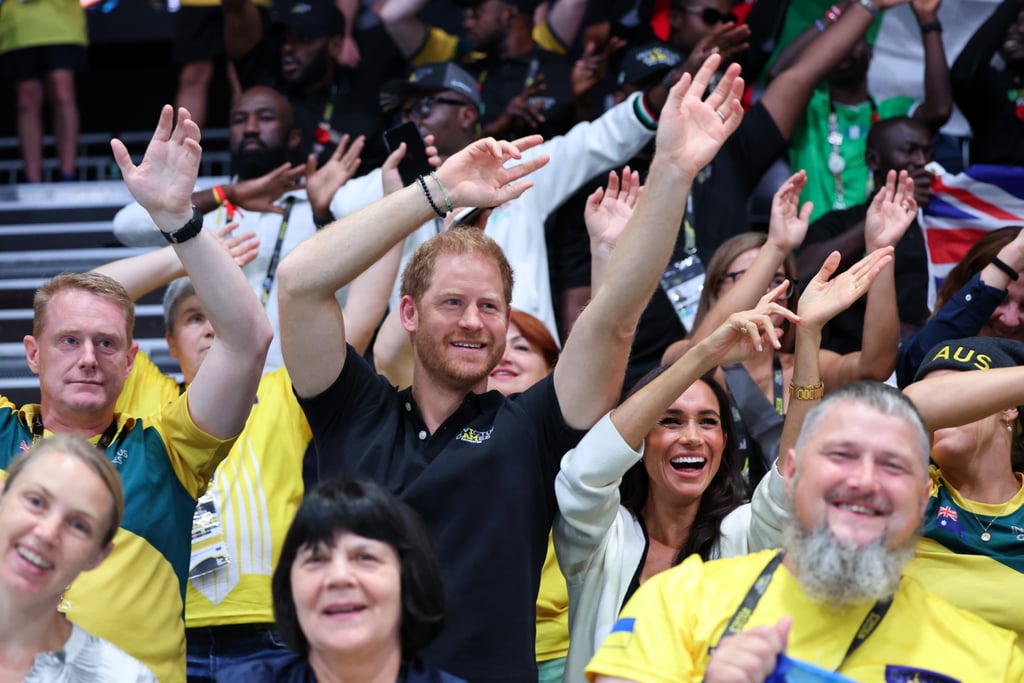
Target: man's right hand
477 175
750 656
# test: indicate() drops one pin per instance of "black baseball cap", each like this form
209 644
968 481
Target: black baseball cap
431 77
311 18
646 62
524 6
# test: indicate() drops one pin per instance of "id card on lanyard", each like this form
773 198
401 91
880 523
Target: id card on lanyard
683 280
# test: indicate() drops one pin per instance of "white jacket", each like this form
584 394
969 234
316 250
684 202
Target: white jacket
599 543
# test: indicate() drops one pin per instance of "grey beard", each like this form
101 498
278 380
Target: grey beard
842 574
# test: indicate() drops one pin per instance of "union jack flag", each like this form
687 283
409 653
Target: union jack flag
963 208
947 511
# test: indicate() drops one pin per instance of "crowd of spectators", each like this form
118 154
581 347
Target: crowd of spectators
543 400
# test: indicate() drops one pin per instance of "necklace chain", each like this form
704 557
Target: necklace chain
985 535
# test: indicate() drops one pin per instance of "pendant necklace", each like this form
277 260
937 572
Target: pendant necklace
836 163
985 535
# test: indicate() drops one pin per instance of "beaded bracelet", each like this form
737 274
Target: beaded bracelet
426 191
444 193
931 26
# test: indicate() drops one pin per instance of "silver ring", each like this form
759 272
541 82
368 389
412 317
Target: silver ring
720 114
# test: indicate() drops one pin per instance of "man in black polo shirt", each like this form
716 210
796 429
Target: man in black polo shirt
477 466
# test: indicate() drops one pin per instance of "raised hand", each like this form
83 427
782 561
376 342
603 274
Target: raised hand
824 298
590 68
926 11
522 111
788 225
727 40
243 248
744 333
477 176
323 182
692 129
608 211
389 175
259 194
891 212
163 182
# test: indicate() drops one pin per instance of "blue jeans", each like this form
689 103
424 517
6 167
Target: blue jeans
213 648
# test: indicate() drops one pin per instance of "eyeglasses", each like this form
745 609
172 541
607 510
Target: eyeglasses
709 15
776 281
423 108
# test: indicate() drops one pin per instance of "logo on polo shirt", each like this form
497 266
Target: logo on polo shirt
909 674
470 435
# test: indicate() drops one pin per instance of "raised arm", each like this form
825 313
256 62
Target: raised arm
969 69
937 105
606 213
824 298
588 376
141 274
736 339
587 485
401 21
221 394
786 230
565 18
787 95
979 394
312 327
891 212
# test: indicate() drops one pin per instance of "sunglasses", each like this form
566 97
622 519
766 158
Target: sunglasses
709 15
423 108
776 281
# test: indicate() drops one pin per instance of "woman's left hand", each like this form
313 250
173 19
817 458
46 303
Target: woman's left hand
824 298
744 333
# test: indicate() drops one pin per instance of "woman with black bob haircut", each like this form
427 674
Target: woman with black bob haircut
358 592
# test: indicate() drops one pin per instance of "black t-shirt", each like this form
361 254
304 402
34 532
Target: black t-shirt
484 486
843 333
503 79
352 103
990 98
722 189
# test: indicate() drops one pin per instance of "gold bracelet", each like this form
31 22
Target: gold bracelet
810 392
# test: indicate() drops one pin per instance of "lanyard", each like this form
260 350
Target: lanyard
268 281
105 439
323 134
836 163
756 592
779 401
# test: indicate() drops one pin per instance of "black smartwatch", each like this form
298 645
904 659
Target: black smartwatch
188 231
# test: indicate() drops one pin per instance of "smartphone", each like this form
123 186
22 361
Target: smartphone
415 162
469 217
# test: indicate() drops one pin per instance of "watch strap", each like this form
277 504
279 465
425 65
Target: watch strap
188 231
